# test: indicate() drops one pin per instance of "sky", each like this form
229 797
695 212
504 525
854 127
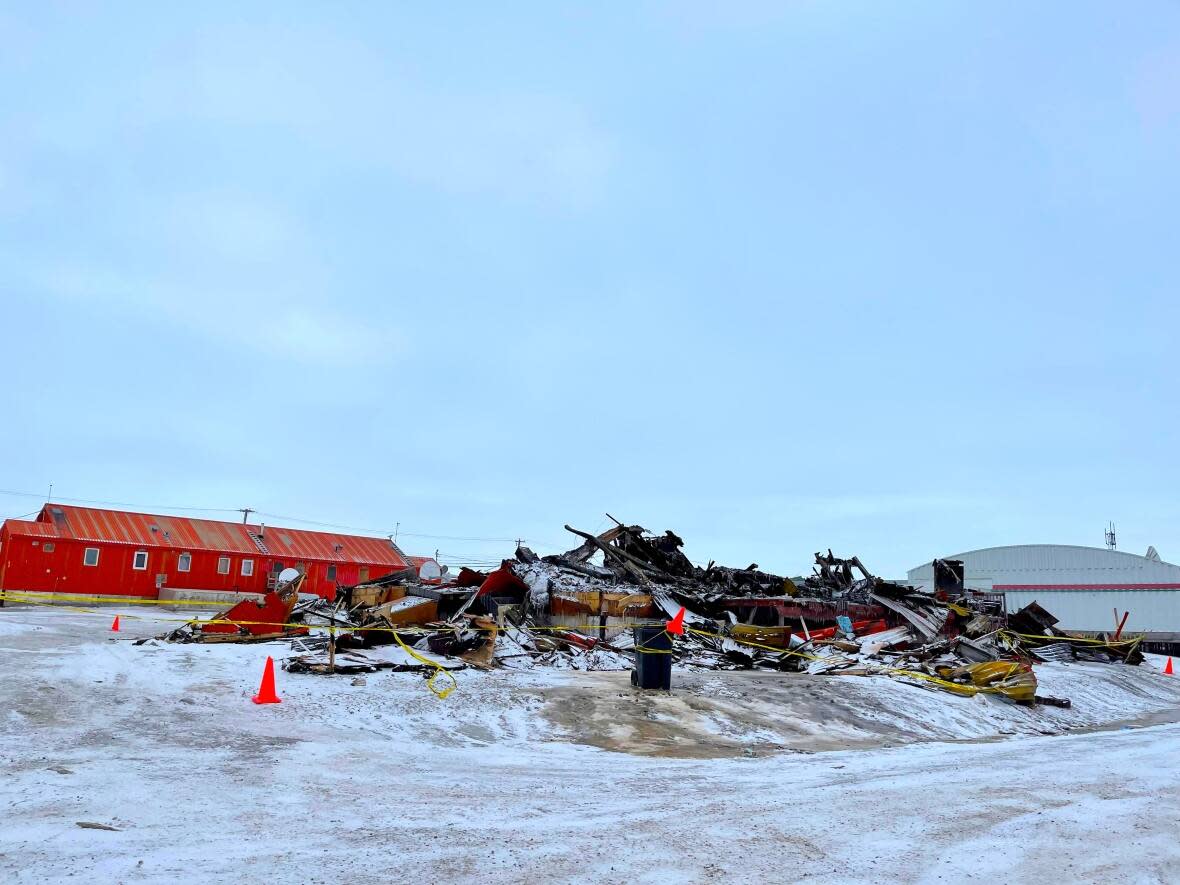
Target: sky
895 279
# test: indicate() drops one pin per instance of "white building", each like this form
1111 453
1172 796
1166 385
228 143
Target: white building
1081 586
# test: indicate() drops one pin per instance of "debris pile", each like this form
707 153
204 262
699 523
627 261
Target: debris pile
250 620
577 610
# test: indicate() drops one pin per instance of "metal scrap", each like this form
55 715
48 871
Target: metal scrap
576 610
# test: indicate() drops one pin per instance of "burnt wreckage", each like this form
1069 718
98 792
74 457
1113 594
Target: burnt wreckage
577 609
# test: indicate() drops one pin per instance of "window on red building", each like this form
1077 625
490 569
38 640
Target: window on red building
90 556
184 562
139 562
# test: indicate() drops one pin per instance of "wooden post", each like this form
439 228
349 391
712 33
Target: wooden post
332 648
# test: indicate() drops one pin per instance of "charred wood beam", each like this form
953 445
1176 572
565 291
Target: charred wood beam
590 547
634 567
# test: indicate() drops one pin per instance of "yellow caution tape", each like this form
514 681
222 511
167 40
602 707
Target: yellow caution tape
440 693
28 596
752 644
648 650
40 599
1048 640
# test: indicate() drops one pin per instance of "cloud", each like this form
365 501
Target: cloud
198 182
267 323
329 338
1156 89
345 102
530 147
232 227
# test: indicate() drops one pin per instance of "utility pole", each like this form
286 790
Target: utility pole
49 497
246 511
396 529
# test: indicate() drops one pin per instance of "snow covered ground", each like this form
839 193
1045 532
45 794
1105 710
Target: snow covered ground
557 776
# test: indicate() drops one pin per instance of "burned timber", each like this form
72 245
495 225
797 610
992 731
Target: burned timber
619 599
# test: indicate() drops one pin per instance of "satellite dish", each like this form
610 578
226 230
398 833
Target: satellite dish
287 575
429 571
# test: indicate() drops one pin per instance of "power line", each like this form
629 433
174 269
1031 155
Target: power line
273 516
24 515
400 534
118 503
459 557
330 525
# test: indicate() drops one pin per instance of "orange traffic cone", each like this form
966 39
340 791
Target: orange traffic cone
676 625
1168 667
115 625
266 691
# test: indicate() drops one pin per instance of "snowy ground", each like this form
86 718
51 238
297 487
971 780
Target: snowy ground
546 776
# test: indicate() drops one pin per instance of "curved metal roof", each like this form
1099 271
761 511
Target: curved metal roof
1047 566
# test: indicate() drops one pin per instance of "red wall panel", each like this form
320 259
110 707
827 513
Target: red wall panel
26 564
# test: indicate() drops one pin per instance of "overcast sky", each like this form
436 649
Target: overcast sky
894 279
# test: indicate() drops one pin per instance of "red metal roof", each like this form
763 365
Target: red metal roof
25 527
186 533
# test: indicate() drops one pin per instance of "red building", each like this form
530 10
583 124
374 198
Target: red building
86 551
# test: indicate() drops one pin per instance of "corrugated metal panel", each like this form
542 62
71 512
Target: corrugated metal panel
1057 565
184 533
146 530
298 544
1151 611
34 529
1081 586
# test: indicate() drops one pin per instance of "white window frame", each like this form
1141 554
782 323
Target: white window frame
247 568
224 566
184 562
135 560
86 555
